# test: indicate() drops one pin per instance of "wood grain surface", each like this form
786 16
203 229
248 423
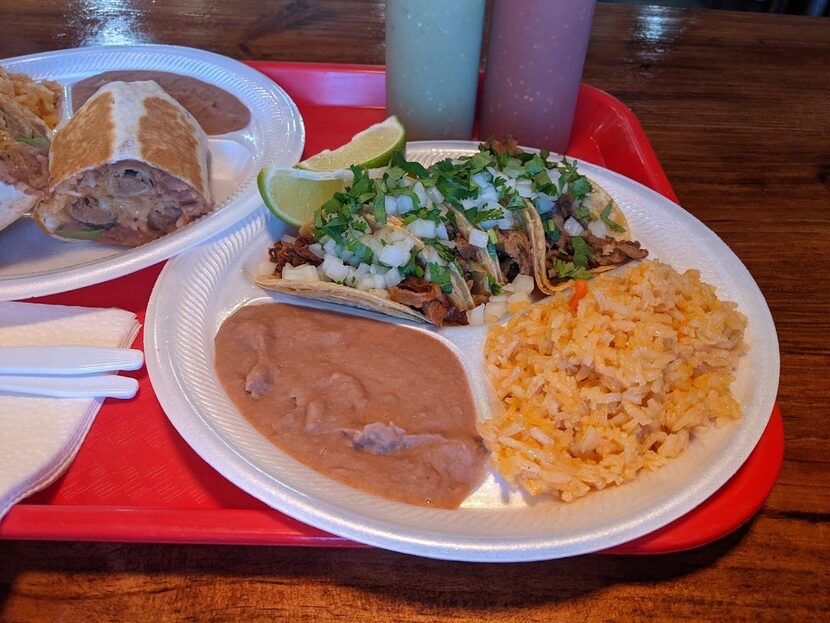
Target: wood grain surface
737 107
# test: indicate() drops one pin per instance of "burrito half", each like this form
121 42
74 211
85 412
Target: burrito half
129 167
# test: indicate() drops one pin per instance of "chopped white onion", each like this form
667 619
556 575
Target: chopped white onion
373 243
524 188
289 239
362 270
405 204
523 284
469 203
317 249
476 315
380 282
441 232
329 246
572 227
507 222
392 278
481 179
435 194
422 228
366 282
543 203
487 194
518 297
334 268
304 272
390 204
394 255
494 311
419 191
598 228
478 238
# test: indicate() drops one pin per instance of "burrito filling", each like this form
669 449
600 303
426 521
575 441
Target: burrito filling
127 203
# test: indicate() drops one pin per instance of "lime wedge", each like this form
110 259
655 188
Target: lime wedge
373 147
294 195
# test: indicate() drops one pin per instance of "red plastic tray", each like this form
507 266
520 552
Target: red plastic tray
135 479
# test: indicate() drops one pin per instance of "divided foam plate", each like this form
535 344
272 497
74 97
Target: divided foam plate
198 290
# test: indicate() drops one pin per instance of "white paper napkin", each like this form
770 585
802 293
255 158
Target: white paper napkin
39 437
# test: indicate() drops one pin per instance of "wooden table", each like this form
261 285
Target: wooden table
737 107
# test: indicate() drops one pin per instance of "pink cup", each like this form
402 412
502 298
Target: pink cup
534 67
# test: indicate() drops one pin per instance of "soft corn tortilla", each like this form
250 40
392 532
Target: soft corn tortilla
597 201
341 295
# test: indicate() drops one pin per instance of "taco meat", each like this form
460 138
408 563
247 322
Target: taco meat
515 253
294 253
609 252
419 293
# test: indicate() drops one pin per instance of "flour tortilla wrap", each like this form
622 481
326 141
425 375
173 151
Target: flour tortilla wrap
24 153
129 167
598 203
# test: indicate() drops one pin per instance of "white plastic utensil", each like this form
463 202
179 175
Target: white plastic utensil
82 386
67 360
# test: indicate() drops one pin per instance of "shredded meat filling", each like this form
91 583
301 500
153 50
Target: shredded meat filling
604 251
294 253
504 144
464 249
608 252
419 293
515 253
23 163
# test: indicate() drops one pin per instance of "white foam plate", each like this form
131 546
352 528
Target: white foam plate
34 264
198 290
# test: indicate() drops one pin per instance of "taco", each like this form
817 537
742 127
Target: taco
356 253
574 226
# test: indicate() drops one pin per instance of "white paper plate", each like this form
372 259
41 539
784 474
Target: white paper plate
33 264
198 290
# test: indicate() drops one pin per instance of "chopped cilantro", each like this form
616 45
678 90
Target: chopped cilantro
361 184
480 161
411 267
361 251
445 253
605 216
495 288
440 276
379 209
535 166
583 214
479 216
514 202
397 192
582 252
567 270
552 231
416 169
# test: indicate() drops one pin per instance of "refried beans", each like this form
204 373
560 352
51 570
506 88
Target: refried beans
377 406
216 110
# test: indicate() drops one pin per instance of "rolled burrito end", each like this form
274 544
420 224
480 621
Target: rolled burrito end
129 167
